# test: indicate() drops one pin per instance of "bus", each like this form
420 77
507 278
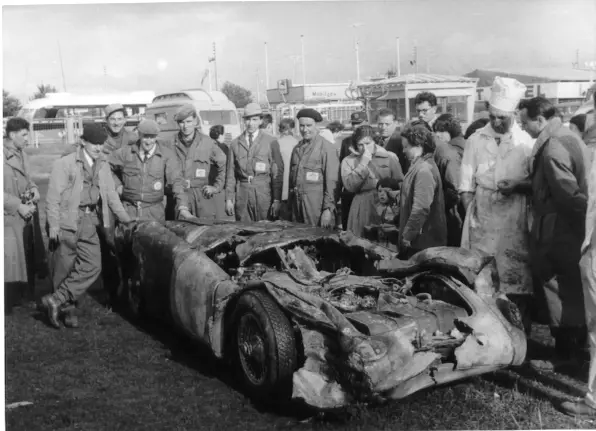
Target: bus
213 108
48 115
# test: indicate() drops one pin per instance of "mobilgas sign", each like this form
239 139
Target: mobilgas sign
325 92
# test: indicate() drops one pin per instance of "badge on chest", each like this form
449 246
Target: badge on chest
157 185
260 167
200 173
313 177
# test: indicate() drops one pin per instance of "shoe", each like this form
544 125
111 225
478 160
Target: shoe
579 409
553 364
52 306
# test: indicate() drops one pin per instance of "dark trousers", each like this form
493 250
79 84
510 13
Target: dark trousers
346 203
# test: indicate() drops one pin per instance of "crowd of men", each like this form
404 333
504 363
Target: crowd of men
519 186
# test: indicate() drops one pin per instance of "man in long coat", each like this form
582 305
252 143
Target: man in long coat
314 171
23 246
494 183
559 202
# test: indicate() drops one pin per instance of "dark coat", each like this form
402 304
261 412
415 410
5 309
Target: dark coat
394 144
422 206
458 144
559 188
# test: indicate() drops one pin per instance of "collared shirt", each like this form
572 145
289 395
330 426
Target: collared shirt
145 156
253 136
88 157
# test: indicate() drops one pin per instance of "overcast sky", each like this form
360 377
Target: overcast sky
165 46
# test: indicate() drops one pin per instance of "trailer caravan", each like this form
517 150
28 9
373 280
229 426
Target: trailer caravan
213 107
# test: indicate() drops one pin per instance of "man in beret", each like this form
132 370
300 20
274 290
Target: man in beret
81 193
357 119
143 169
314 172
118 136
197 154
255 171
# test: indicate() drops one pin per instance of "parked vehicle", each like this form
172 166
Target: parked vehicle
213 107
322 316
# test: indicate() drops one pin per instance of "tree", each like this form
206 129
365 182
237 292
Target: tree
42 90
239 96
10 104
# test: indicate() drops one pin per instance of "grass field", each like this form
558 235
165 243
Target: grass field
116 374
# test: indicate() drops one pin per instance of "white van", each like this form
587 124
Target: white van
213 107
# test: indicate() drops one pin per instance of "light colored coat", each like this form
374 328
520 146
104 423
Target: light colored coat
64 193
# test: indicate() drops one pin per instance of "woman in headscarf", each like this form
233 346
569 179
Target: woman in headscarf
361 171
422 221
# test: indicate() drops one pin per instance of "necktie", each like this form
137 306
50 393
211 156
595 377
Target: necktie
498 140
146 156
250 140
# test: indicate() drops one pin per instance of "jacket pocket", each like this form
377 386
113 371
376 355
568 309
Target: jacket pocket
313 173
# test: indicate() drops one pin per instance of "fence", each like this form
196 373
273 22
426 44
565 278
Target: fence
63 130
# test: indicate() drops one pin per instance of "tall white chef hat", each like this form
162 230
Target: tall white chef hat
506 94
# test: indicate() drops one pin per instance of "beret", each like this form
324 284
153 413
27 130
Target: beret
310 113
94 133
358 117
184 112
148 127
114 107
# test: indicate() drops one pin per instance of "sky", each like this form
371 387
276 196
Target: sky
117 47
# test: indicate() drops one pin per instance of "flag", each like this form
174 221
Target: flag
205 75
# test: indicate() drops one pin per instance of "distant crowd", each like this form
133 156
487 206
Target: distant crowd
519 186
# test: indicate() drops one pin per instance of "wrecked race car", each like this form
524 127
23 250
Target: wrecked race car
323 316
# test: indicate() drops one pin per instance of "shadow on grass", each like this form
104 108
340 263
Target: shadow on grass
198 357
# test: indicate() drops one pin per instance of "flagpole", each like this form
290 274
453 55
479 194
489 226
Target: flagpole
266 68
303 61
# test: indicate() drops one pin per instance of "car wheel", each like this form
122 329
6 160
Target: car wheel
265 345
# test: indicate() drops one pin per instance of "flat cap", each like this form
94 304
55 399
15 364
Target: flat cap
94 133
184 112
358 117
310 113
148 127
114 107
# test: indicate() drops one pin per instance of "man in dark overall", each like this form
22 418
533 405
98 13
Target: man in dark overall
143 170
197 154
255 171
81 193
314 172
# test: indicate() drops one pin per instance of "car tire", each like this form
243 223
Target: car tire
264 346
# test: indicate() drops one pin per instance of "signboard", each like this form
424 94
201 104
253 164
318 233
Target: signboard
325 92
550 90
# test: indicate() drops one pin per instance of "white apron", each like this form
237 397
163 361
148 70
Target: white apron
496 224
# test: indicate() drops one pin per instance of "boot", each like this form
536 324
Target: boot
52 304
578 409
69 317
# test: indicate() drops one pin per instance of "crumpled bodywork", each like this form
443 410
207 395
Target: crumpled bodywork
372 327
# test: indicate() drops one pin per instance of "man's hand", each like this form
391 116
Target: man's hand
507 187
184 213
54 234
229 207
26 210
406 244
274 210
209 191
326 219
36 196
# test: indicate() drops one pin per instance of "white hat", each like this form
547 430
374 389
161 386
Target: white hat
506 94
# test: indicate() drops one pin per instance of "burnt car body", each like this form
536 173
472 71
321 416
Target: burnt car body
322 316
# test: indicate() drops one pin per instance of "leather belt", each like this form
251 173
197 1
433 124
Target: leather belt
248 180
